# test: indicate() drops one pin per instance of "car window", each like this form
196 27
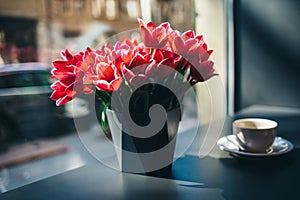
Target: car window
42 78
24 79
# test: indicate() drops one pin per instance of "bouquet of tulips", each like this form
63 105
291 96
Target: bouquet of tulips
164 57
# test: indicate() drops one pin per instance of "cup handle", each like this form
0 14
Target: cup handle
269 150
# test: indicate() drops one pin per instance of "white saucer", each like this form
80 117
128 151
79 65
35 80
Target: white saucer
280 146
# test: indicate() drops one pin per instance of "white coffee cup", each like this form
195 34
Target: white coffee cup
255 134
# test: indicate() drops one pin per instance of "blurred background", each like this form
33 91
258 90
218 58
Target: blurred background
34 133
34 30
256 45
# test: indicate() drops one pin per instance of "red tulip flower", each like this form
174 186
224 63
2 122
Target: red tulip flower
70 73
152 36
108 78
163 54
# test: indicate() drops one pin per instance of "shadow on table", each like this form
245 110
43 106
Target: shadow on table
239 176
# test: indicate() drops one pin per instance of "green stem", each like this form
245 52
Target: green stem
104 120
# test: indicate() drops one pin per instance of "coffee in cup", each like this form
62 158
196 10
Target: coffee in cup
255 134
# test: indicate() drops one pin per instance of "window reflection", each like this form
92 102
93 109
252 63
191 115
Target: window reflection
111 9
36 32
97 8
133 9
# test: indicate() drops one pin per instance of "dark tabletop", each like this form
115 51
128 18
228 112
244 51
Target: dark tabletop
216 176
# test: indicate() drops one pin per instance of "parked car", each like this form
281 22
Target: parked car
25 107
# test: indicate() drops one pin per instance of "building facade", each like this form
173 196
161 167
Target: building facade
36 30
